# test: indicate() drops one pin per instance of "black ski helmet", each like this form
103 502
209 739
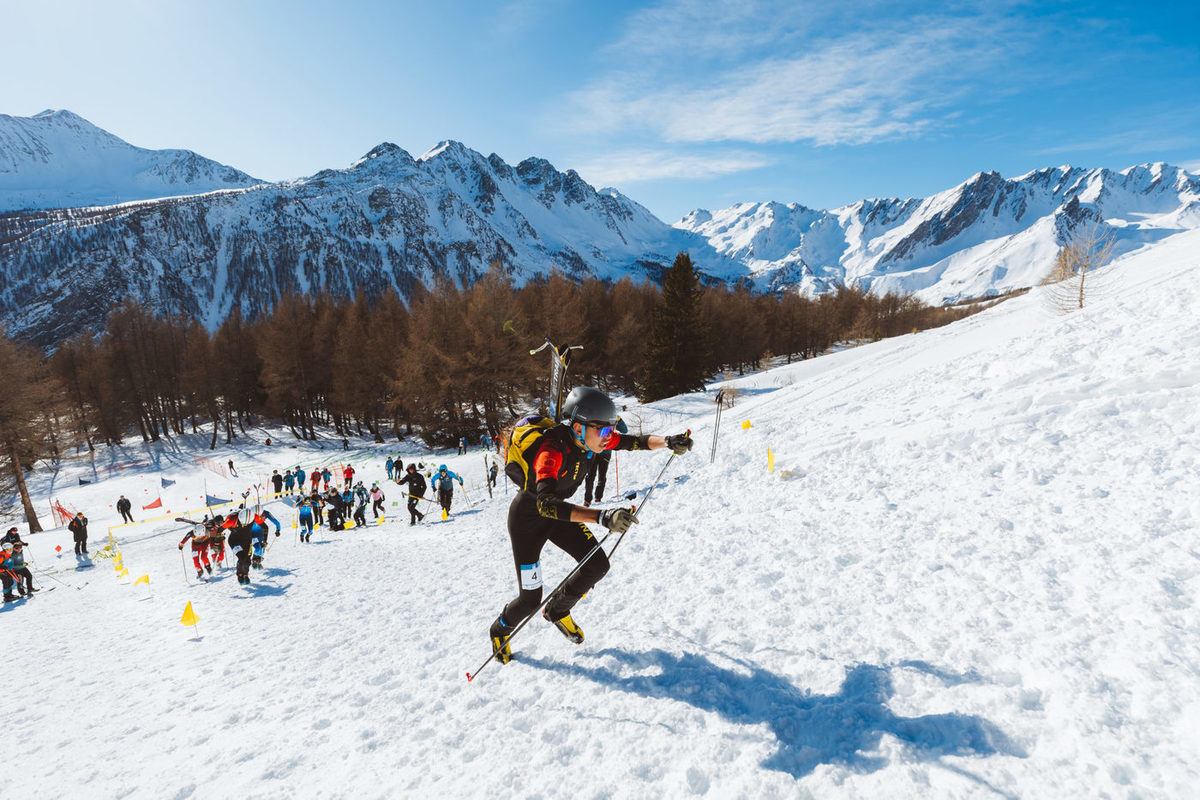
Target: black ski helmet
589 405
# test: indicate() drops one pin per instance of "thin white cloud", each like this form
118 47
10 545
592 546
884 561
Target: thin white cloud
709 30
765 75
516 16
1142 140
631 166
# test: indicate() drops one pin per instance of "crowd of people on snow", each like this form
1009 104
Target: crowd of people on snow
14 567
552 464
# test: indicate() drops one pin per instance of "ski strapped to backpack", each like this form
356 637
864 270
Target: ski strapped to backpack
527 435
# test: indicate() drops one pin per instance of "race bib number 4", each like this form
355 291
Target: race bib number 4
531 575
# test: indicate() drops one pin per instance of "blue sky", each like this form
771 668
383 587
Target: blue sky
680 104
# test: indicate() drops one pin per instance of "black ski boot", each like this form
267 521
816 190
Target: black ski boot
208 567
199 573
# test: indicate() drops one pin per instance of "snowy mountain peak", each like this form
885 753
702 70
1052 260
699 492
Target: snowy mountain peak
387 220
383 153
57 159
986 235
448 147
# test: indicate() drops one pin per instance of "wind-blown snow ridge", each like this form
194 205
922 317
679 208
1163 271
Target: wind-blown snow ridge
57 159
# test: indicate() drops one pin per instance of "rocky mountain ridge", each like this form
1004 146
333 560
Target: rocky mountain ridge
391 220
985 236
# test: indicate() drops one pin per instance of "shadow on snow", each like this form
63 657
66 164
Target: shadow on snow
811 729
262 590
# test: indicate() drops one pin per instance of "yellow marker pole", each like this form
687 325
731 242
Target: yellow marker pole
189 618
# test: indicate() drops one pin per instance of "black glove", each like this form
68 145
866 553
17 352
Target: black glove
180 547
680 443
617 520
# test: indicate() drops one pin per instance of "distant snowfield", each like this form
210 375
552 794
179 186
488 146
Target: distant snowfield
973 573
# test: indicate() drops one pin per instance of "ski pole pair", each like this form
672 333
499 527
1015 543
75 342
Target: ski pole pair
599 546
45 574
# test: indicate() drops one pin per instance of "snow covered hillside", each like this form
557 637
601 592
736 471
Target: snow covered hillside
986 236
974 572
387 221
57 159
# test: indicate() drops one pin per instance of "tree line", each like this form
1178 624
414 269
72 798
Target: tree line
449 362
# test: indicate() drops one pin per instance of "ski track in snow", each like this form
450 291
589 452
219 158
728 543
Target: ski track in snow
972 574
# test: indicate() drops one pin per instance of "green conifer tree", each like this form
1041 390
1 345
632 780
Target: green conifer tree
678 356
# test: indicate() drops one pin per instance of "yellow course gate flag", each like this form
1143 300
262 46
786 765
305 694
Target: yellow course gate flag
189 616
746 425
770 460
144 579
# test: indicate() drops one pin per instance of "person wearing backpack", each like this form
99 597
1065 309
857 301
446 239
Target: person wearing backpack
443 483
78 528
548 462
416 492
305 518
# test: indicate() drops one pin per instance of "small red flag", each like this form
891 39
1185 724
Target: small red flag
156 504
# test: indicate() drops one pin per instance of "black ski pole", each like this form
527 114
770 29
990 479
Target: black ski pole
637 509
51 577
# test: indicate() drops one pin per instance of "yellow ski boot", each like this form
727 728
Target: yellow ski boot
568 628
500 644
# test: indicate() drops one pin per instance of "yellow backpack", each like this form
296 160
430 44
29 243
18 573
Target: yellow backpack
523 442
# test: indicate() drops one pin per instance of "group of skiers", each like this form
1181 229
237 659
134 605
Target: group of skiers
349 503
552 460
415 485
246 530
14 567
321 478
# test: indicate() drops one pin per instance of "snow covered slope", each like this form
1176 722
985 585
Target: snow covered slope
985 236
974 573
57 159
